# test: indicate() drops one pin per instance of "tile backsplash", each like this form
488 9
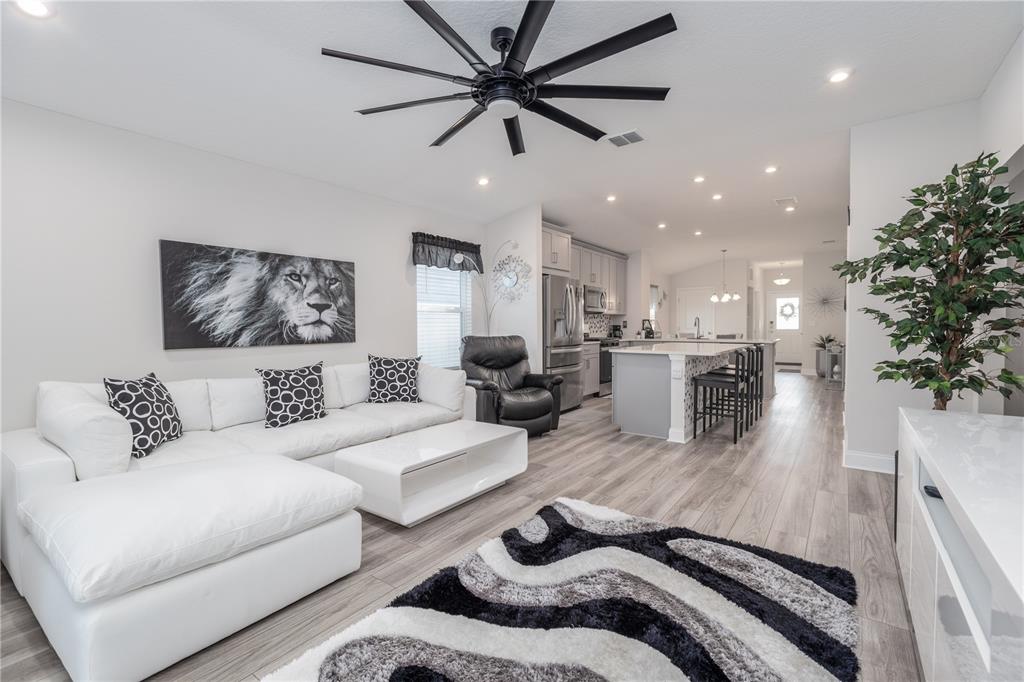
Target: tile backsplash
595 324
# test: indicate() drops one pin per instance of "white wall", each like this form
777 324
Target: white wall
819 277
522 317
730 318
1001 107
887 159
84 205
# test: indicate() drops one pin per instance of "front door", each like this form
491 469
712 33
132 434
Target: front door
783 323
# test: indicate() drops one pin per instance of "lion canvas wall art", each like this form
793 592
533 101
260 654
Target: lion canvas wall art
215 296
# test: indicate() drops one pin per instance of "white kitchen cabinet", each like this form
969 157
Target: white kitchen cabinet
575 269
556 250
620 283
612 289
591 368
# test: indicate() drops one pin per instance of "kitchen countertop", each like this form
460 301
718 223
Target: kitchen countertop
701 340
700 349
977 463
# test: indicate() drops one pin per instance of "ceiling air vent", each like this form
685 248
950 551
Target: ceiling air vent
786 202
630 137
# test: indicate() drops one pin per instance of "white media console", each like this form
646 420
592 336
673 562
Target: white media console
960 541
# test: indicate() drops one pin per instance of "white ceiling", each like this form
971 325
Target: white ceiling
246 79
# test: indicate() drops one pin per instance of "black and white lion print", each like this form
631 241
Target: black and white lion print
237 297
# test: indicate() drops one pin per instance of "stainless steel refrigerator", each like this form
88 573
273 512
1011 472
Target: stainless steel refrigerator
563 336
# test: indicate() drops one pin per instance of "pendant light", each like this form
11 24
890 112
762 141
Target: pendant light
726 296
781 280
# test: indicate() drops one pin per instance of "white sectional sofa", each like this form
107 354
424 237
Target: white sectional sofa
132 564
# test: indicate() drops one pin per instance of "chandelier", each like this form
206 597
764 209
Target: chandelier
726 296
781 280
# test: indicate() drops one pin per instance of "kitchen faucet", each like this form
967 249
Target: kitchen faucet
696 322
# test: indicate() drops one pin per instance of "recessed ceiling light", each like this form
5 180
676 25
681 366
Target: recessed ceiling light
483 182
34 8
790 209
699 178
716 197
611 197
697 233
771 169
662 226
839 75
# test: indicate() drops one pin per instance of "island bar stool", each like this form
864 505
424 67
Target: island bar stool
755 380
722 395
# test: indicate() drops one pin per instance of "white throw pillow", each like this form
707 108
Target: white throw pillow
96 438
444 387
236 401
192 398
353 382
111 535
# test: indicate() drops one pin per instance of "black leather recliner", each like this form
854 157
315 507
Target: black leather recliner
498 367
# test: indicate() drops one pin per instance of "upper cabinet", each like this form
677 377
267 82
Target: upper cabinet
556 250
592 267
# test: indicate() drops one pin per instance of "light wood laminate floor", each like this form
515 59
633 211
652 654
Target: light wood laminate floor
782 486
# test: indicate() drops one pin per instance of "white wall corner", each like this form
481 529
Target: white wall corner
868 461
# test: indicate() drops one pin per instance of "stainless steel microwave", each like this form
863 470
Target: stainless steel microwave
595 300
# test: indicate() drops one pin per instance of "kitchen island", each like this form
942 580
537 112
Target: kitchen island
769 354
653 394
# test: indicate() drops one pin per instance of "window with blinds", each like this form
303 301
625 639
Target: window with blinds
443 314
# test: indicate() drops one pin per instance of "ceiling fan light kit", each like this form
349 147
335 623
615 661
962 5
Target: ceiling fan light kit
506 88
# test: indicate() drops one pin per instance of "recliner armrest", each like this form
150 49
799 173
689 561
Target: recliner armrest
486 399
551 382
548 381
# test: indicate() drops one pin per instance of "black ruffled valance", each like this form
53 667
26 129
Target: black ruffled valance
440 252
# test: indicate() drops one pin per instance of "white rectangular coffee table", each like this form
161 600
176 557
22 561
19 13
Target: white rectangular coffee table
412 476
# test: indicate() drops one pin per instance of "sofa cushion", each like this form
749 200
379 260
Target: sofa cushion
402 417
332 389
149 409
236 401
339 429
353 382
525 403
192 398
293 395
394 380
81 423
191 447
113 534
444 387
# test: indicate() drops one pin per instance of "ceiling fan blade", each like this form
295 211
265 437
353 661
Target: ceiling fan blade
606 48
550 91
515 135
534 16
568 120
458 125
416 103
461 80
434 20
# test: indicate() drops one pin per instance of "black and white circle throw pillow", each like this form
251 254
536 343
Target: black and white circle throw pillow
293 395
149 409
394 380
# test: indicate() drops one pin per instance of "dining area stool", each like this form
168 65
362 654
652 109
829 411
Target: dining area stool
754 377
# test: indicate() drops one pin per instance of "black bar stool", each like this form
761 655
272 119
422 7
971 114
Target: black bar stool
723 395
754 377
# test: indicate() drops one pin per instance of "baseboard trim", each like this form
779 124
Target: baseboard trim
868 461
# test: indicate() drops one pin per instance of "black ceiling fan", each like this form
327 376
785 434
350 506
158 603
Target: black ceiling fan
507 87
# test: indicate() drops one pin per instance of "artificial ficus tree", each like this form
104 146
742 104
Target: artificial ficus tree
944 269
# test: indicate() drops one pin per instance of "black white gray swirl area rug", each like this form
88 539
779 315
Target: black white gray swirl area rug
581 592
